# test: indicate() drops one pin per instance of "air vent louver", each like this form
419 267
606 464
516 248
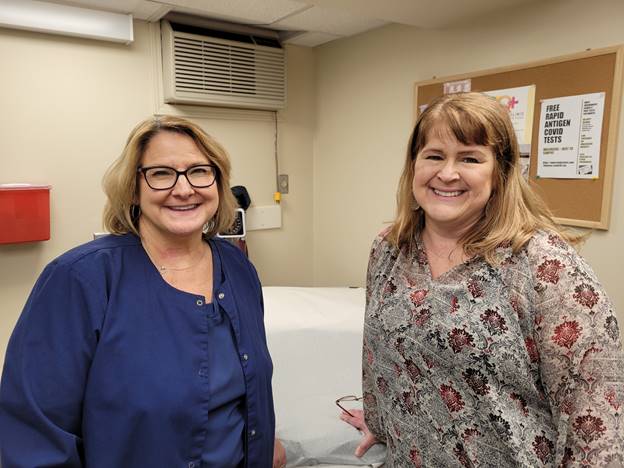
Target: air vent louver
208 70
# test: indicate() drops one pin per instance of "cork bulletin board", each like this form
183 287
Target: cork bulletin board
574 202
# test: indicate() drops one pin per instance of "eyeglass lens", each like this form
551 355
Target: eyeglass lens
160 178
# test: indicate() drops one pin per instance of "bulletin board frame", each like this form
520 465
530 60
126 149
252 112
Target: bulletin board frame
574 202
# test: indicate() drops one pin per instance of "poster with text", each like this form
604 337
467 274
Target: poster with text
520 103
569 137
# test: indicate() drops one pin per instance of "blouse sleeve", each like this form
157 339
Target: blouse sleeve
45 373
581 359
373 419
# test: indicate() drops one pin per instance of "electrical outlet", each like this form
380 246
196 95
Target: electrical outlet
282 181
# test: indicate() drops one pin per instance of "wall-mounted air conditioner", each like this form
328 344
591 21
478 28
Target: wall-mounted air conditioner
205 66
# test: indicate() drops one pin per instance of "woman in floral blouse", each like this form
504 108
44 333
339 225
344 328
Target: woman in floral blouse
488 340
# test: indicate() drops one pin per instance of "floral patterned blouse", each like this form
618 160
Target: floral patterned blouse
515 365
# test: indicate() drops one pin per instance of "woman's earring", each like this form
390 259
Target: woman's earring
415 205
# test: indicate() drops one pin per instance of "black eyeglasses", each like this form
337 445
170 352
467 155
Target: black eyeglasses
347 398
165 177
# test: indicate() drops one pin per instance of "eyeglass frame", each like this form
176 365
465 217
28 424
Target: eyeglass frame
347 398
142 169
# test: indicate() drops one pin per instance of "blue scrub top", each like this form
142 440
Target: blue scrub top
110 366
223 447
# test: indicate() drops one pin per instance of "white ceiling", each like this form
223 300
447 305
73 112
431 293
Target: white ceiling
311 22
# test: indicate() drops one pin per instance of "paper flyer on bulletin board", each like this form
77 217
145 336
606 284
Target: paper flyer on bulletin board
520 102
570 130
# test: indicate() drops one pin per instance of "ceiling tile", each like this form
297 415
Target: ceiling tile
261 13
116 6
311 39
331 21
150 11
420 13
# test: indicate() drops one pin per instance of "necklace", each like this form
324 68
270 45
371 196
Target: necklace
164 269
449 255
446 256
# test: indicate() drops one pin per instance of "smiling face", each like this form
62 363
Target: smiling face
180 212
452 181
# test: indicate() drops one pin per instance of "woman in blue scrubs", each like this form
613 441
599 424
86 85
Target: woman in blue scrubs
146 348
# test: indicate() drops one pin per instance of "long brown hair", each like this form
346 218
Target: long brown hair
120 180
513 213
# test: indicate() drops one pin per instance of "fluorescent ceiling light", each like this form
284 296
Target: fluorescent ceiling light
51 18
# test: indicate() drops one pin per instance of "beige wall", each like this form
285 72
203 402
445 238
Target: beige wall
69 104
365 95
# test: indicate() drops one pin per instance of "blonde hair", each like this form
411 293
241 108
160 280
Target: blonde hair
514 211
120 180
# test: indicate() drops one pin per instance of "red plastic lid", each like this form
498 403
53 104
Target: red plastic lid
24 187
